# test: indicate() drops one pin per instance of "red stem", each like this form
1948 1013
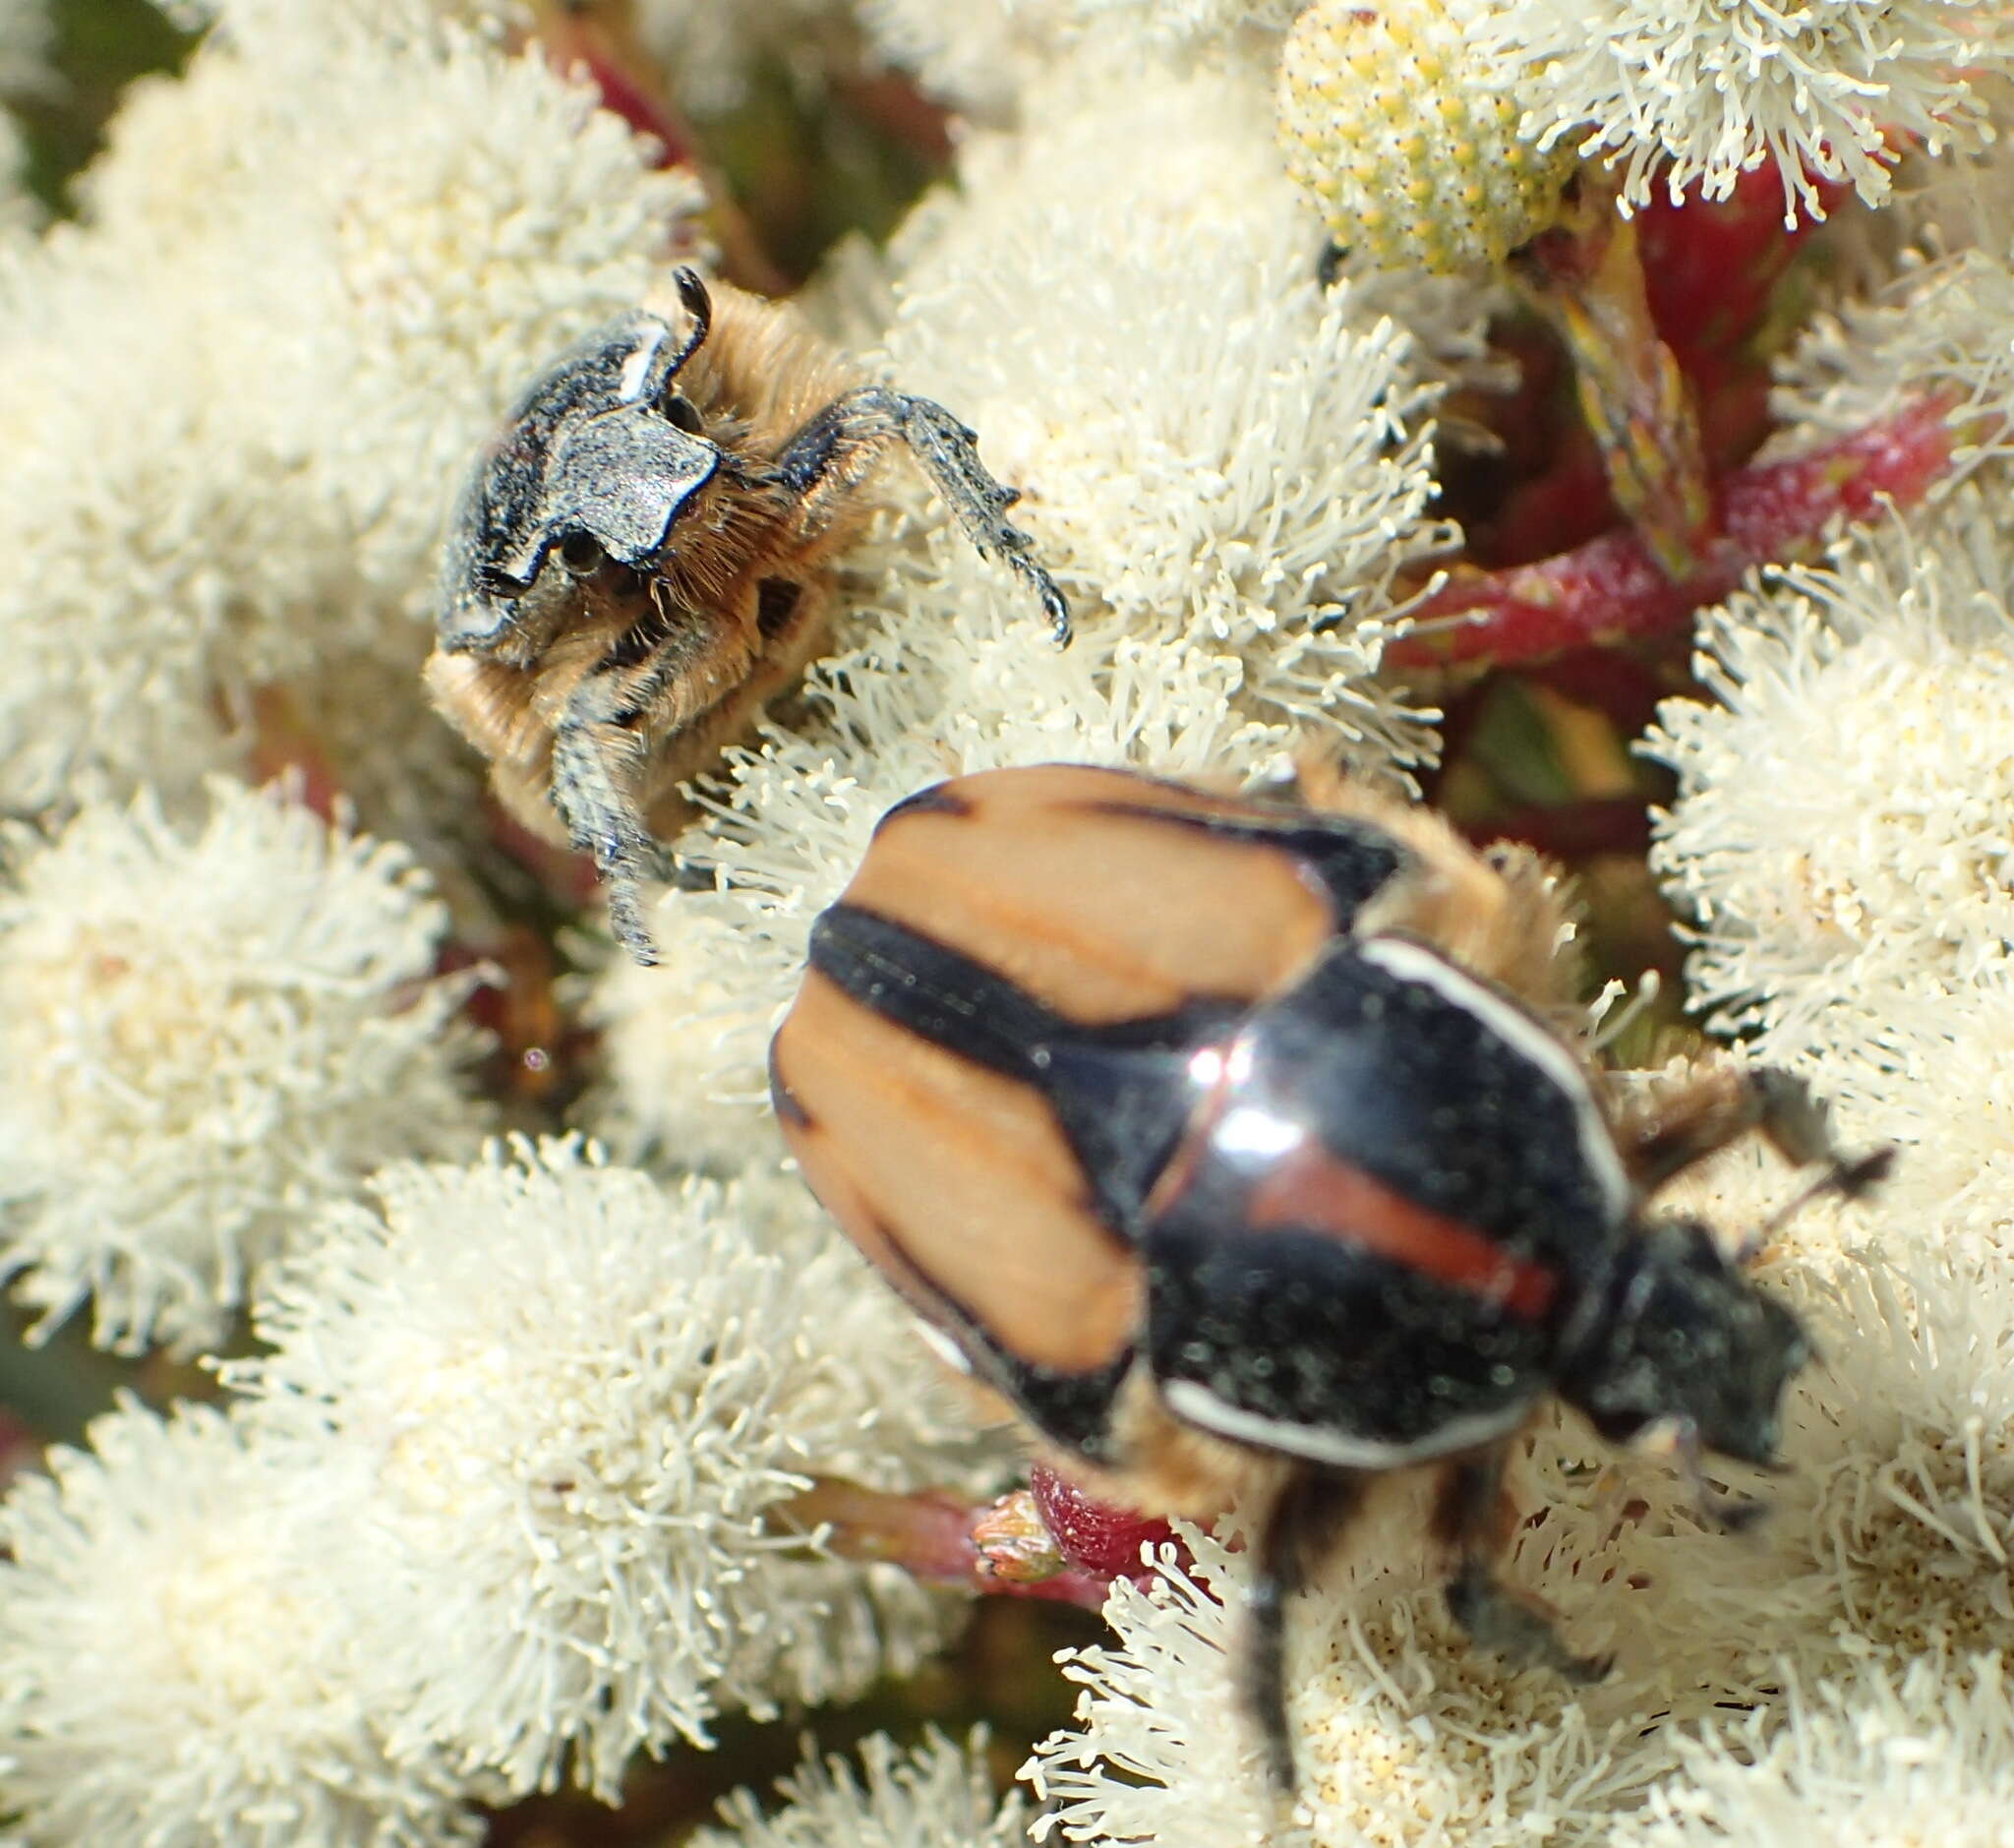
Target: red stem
1611 589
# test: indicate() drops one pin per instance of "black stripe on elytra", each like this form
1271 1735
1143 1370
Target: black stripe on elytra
782 1100
1121 1092
937 799
1074 1410
1353 860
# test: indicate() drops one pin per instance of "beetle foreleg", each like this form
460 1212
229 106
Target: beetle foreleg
824 461
1467 1517
1308 1519
596 761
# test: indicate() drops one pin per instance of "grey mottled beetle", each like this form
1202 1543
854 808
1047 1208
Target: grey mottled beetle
636 562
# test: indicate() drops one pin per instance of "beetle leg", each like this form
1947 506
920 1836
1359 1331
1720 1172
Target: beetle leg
1722 1103
1468 1516
595 766
824 461
1302 1530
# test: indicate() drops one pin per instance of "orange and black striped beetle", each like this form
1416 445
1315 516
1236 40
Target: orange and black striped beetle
1241 1145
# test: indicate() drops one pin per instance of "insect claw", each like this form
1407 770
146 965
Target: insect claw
1492 1619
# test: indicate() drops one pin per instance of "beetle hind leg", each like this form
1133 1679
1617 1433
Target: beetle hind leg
1469 1517
1720 1101
1301 1531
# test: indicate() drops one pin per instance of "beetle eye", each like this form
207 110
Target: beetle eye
581 552
683 414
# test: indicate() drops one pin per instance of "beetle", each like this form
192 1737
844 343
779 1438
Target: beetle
1242 1147
639 560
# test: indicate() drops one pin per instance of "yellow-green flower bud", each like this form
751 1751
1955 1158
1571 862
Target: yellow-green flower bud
1407 140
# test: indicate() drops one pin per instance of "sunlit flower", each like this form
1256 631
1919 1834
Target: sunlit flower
935 1794
1699 91
551 1402
1899 1752
1868 698
208 1032
1403 134
174 1677
1404 1730
425 237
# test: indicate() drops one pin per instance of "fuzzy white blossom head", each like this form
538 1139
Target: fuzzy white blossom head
1405 1731
440 222
553 1402
1896 1527
1679 92
173 1675
933 1795
208 1032
1854 924
1902 1752
1935 335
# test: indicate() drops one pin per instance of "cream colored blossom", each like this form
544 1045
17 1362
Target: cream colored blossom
1868 698
1402 133
174 1677
934 1795
1679 92
1896 1522
1405 1731
207 1032
1939 331
333 303
1900 1754
550 1402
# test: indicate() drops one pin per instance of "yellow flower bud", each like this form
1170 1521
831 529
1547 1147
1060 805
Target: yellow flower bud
1403 136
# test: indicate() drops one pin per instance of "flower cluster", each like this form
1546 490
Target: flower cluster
207 1034
504 1498
542 1460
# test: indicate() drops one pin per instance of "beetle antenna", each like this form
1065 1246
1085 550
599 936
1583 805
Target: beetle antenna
698 306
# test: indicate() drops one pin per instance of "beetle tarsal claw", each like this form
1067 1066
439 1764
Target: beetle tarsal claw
1493 1619
947 452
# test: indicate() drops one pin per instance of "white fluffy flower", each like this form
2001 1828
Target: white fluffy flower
682 1047
239 395
1897 1755
933 1795
174 1677
1939 331
1824 90
553 1402
1211 451
1894 1531
1407 1732
208 1032
1868 698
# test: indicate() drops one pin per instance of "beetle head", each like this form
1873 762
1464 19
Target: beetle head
1681 1340
595 464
